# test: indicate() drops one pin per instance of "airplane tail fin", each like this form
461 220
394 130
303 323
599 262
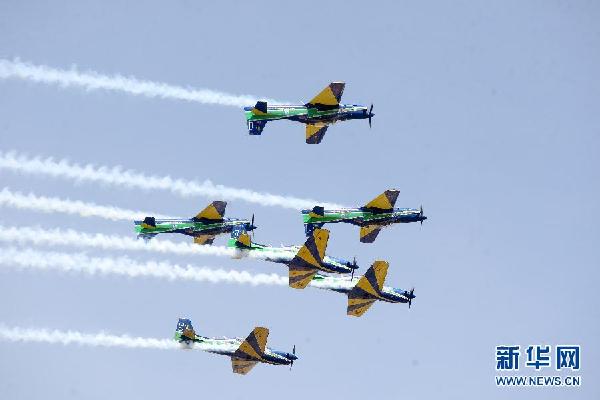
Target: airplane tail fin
256 127
185 331
148 223
309 259
317 212
368 289
239 238
260 108
309 215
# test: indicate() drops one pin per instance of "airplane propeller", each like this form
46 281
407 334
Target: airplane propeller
353 266
370 114
412 291
421 215
250 229
294 353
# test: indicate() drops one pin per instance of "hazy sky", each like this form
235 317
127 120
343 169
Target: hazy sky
486 114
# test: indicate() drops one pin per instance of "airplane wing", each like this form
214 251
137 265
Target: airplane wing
204 239
329 97
367 289
213 212
315 132
254 346
357 307
309 259
374 278
369 233
300 276
384 202
241 366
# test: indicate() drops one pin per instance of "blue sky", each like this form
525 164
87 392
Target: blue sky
487 115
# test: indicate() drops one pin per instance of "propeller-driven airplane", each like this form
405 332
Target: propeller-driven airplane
303 261
371 217
363 291
207 224
320 112
245 354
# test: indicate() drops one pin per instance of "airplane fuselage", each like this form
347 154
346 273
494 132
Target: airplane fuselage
191 227
284 255
308 115
343 285
228 347
362 217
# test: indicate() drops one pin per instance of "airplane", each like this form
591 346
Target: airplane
371 217
320 112
245 354
363 291
303 261
207 224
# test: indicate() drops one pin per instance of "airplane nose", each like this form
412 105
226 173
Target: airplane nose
292 357
251 227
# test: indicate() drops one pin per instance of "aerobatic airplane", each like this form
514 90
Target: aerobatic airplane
320 112
207 224
363 291
371 217
303 261
245 354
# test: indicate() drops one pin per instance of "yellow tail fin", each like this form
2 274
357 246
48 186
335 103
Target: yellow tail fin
243 240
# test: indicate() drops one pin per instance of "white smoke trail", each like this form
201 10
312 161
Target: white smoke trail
116 176
124 266
91 80
53 204
69 237
16 334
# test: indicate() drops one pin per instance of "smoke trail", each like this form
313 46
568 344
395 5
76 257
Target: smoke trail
91 80
17 334
124 266
134 180
54 204
69 237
